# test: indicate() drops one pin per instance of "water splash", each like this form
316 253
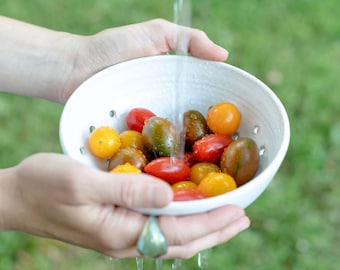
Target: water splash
140 263
177 264
182 17
203 259
115 264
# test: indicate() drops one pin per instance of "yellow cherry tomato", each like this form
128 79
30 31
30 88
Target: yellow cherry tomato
183 185
201 170
216 183
224 118
126 168
104 142
132 138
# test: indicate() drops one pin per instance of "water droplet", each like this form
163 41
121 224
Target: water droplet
152 242
82 150
262 150
202 259
140 263
158 264
115 264
177 264
256 129
112 113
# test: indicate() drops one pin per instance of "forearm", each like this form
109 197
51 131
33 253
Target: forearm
35 61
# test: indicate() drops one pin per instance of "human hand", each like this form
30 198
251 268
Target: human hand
51 195
119 44
53 64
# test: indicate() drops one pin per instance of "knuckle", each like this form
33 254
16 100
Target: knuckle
128 194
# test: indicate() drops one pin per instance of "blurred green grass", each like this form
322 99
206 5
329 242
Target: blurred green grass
294 47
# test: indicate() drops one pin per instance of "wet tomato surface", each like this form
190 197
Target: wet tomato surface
211 147
170 169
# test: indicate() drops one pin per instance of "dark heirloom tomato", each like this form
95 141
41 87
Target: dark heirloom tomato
169 169
136 118
130 155
210 147
160 137
241 160
188 194
195 127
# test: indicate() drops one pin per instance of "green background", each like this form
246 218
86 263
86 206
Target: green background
294 47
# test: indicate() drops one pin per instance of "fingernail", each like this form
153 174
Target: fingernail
244 224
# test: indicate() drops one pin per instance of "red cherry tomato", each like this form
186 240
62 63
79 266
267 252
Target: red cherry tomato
169 169
136 117
210 147
188 194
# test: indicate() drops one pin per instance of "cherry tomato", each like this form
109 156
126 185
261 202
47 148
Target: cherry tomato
104 142
126 168
130 155
224 118
183 185
136 117
217 183
241 160
210 147
188 194
131 138
160 137
201 170
169 169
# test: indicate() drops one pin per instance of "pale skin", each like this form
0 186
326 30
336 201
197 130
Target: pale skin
50 195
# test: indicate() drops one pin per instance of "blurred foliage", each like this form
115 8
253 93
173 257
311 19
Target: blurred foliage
294 47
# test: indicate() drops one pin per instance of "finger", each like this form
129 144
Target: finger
131 190
214 239
189 249
184 229
192 40
117 234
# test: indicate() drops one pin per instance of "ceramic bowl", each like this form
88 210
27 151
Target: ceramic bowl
168 84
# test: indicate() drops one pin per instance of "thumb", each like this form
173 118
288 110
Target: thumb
132 190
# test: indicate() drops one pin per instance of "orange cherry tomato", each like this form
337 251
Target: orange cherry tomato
216 183
201 170
183 185
104 142
224 118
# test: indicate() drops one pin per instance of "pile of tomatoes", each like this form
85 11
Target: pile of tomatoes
212 163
